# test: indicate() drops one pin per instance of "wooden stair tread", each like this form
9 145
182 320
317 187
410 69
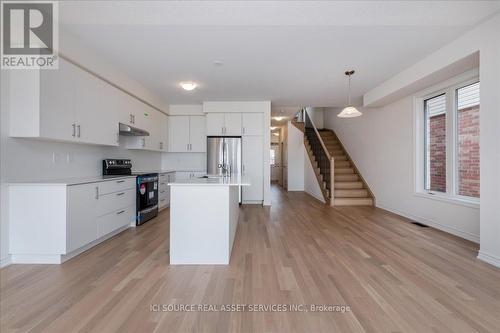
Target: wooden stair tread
348 185
353 202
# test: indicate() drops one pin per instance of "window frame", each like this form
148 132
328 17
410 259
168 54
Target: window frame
449 88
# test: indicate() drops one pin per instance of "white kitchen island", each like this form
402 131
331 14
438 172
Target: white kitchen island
203 219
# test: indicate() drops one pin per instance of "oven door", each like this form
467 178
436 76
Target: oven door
147 192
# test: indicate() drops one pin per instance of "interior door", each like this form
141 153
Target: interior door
178 134
197 136
275 162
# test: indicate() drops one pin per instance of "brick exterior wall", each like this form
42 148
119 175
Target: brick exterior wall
437 152
468 154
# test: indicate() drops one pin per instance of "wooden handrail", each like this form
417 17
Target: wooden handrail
319 136
332 181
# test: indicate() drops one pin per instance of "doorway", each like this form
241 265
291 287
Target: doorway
275 158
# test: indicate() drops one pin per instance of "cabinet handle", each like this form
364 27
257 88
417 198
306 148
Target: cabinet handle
187 146
143 142
97 192
243 130
117 137
119 194
74 130
78 130
120 181
120 212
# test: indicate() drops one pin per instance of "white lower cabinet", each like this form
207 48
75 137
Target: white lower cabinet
51 223
164 189
114 220
81 221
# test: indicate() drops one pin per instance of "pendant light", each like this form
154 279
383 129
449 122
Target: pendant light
349 111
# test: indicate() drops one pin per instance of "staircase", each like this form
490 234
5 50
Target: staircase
349 187
339 179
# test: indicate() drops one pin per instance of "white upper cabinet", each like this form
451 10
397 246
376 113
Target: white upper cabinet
96 110
56 109
71 104
215 123
67 104
197 134
252 124
178 130
221 124
187 134
232 124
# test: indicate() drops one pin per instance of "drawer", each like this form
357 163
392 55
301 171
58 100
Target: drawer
115 220
114 201
162 194
111 186
163 185
163 202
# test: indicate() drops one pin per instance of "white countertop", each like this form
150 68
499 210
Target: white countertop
166 171
69 181
234 180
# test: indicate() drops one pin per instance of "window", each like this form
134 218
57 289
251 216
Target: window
435 143
447 140
468 140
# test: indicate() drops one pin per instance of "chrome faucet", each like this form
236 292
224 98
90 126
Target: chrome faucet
226 168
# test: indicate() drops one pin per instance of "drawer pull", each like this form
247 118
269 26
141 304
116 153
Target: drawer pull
120 212
118 194
120 181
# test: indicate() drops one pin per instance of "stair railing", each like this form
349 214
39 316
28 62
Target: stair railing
325 161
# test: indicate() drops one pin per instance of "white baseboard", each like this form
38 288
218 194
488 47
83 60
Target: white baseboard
36 259
5 261
60 258
446 228
489 258
316 197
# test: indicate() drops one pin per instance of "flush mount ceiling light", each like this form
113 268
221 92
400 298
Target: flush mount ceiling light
188 85
349 111
273 128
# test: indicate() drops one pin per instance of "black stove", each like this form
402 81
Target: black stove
146 187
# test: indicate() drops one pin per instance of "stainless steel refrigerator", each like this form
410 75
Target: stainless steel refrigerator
224 156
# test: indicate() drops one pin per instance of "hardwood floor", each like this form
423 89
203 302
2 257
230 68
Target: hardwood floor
393 275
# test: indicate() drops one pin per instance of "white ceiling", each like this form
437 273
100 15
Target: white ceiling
292 53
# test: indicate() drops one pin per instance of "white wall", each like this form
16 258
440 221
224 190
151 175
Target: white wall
317 116
184 161
311 185
295 155
483 39
381 144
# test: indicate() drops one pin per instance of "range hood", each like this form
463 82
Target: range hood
128 130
